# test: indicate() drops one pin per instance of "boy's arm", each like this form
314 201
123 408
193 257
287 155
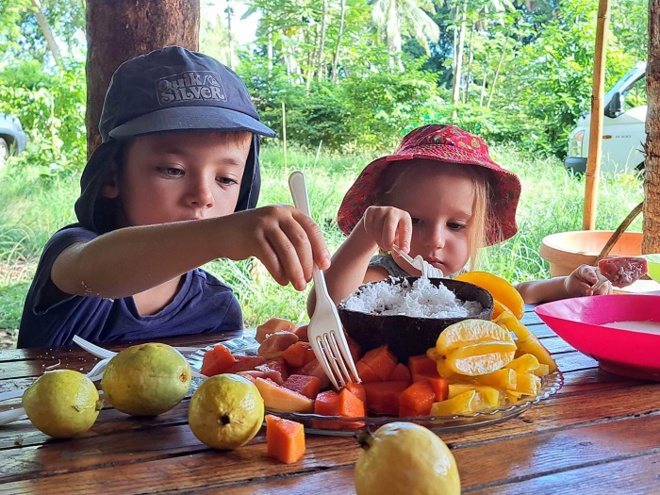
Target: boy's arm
130 260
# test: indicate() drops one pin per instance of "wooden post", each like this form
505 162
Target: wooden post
596 126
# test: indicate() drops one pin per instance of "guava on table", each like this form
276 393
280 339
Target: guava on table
402 457
226 411
62 403
146 379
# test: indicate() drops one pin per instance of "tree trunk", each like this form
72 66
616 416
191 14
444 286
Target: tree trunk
320 66
118 30
470 59
335 57
47 32
497 73
230 12
458 62
651 222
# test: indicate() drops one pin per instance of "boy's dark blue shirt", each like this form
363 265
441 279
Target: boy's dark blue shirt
203 304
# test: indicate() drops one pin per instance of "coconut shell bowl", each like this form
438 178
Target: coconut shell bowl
407 335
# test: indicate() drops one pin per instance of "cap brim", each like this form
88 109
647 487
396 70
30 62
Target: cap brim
191 118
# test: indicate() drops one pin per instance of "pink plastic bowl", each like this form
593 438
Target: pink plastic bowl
630 353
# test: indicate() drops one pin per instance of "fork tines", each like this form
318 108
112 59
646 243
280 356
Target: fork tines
333 358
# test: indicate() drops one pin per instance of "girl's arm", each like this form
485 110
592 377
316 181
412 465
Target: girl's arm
578 283
380 226
131 260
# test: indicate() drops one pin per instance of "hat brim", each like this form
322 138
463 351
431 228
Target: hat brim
191 118
505 184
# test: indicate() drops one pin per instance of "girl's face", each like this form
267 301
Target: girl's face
440 201
177 176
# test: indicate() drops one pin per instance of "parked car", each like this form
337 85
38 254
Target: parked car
624 132
12 138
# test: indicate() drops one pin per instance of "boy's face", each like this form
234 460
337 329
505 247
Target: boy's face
169 177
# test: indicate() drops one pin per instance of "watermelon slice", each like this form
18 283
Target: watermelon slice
623 270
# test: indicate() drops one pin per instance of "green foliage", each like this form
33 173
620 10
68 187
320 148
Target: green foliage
362 112
550 79
51 108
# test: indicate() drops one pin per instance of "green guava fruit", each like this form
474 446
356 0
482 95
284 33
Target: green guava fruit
62 403
146 379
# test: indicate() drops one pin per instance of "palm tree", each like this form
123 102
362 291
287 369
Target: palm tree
394 18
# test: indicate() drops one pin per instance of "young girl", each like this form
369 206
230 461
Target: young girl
439 195
162 195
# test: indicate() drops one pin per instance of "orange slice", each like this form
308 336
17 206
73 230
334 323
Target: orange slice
472 347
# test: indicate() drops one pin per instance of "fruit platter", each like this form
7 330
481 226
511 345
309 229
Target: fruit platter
305 410
471 371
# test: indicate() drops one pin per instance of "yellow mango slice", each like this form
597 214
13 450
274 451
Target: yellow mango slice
486 398
498 309
524 363
462 404
504 378
526 341
542 370
499 288
527 383
470 332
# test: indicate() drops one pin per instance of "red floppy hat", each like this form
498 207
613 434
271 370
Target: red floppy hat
444 144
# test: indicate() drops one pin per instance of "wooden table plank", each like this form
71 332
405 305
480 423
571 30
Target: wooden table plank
633 476
599 434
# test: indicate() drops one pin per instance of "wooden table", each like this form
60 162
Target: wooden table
599 434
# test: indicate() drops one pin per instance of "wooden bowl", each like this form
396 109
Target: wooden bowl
405 335
566 251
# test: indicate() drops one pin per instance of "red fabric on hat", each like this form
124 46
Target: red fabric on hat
444 144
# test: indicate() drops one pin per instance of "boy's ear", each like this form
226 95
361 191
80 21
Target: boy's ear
110 187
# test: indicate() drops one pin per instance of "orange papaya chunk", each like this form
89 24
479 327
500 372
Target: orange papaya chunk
217 360
285 439
417 399
381 361
307 385
383 397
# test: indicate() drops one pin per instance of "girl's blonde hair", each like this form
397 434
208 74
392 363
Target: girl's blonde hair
480 221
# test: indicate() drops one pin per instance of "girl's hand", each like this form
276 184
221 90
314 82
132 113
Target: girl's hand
287 242
581 281
387 225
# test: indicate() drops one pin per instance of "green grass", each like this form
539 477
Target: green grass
32 207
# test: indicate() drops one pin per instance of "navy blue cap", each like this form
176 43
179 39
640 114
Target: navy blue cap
175 89
171 89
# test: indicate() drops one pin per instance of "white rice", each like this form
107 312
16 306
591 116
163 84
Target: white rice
421 299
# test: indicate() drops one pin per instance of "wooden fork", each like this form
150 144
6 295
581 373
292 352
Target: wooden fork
325 331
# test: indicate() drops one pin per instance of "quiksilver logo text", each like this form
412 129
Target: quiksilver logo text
190 86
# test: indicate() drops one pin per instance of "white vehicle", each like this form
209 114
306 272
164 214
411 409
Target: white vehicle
624 132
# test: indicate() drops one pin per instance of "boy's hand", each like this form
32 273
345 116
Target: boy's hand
287 242
387 225
581 281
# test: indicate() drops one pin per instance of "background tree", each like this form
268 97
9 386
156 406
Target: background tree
651 225
393 18
118 30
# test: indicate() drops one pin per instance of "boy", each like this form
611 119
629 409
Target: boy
163 194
